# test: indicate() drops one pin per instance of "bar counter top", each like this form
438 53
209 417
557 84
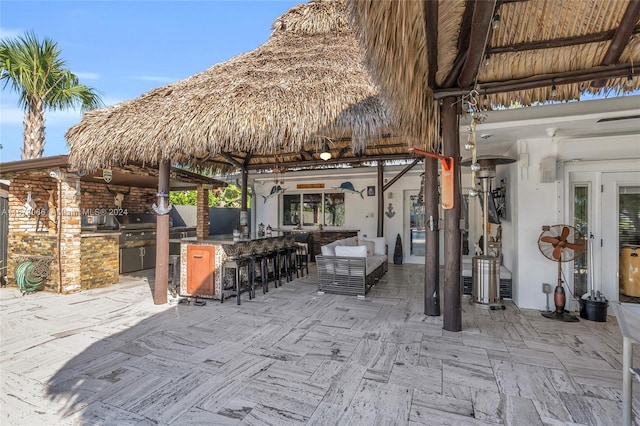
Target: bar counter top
316 230
229 239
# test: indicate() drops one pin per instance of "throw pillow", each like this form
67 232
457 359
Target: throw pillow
370 245
351 251
379 245
350 242
328 250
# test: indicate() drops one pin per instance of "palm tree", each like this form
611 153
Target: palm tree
35 70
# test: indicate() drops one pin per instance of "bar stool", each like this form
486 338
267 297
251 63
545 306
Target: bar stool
271 260
283 261
302 257
302 241
259 259
238 264
292 258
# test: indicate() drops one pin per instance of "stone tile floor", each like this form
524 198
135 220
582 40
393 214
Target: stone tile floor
111 357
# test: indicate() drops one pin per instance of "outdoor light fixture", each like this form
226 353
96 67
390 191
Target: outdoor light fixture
554 90
325 154
629 81
496 21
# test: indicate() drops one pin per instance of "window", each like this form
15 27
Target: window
312 209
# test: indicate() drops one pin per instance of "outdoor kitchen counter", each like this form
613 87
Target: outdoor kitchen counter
202 260
100 234
99 259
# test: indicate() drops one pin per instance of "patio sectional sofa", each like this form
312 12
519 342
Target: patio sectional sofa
351 266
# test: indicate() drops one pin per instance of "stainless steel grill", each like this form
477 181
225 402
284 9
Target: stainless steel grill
137 241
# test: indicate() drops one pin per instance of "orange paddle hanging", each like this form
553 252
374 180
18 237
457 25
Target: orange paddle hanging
446 181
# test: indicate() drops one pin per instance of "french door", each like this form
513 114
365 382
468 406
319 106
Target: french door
605 207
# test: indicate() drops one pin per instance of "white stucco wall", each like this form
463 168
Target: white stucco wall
539 204
531 204
361 212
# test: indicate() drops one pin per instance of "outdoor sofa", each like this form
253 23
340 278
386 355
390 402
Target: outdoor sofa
351 266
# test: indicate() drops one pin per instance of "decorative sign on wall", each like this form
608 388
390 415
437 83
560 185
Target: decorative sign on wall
348 187
107 175
310 186
390 213
275 190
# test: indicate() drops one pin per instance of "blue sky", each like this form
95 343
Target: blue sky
126 48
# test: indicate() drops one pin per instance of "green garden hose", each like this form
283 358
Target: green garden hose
26 283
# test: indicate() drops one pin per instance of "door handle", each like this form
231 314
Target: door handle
197 256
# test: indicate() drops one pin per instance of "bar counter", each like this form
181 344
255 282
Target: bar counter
322 237
229 239
202 260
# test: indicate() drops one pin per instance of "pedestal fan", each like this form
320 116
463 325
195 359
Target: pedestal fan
560 243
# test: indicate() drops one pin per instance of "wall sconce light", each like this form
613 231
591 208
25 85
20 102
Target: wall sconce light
325 154
629 81
496 21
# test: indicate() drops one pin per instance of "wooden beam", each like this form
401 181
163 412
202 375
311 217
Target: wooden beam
247 158
481 25
162 238
463 45
346 148
556 42
620 38
306 155
400 174
452 320
244 195
431 29
231 159
567 77
316 163
431 238
380 199
343 151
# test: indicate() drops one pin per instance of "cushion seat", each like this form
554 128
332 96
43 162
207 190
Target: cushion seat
351 265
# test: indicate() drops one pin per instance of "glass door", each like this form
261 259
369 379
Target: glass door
621 236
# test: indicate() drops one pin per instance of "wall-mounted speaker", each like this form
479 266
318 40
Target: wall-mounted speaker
548 170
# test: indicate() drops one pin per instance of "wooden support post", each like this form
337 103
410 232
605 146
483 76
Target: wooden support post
380 199
452 320
162 237
432 239
244 218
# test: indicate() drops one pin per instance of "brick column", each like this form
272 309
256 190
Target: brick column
202 213
70 228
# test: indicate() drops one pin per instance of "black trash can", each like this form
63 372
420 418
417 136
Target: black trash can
593 310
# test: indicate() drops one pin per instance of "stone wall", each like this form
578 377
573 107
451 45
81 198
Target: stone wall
21 243
69 236
202 213
43 189
83 264
23 238
100 261
99 195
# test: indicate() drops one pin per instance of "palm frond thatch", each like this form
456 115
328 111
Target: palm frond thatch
393 34
307 81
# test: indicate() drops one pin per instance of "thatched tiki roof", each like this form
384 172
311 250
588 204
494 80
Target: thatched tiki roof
307 79
509 50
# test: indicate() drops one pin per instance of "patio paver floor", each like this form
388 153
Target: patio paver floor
109 356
